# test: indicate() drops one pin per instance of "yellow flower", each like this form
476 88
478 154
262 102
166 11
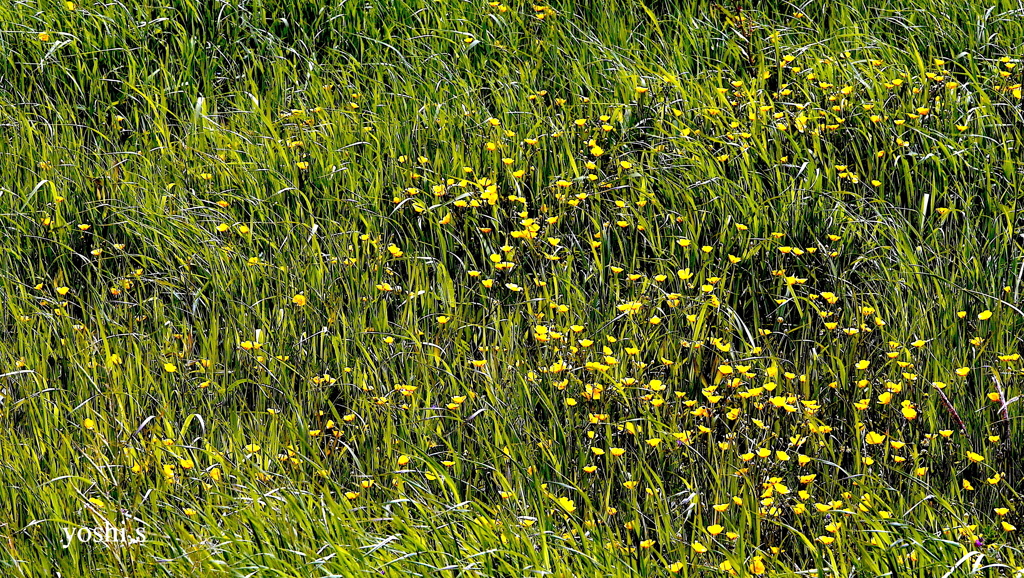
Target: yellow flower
975 457
630 307
170 367
874 438
984 315
299 300
566 504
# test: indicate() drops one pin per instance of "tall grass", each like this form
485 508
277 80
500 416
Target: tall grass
450 288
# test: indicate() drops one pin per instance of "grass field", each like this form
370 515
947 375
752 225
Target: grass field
445 288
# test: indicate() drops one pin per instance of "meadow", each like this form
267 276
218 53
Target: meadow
468 288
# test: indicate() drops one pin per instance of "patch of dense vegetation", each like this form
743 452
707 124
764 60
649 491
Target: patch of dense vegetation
467 288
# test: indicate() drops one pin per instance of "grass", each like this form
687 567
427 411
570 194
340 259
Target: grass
413 288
